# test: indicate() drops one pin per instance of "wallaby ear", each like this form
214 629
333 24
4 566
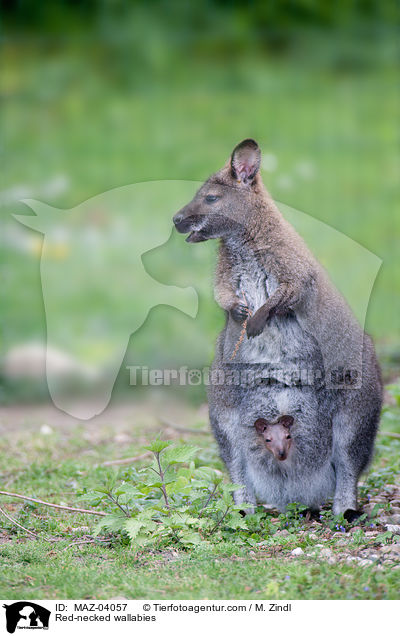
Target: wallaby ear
286 420
260 425
245 161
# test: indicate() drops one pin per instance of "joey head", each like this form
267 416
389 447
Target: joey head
276 435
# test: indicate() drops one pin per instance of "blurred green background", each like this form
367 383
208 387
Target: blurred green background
97 95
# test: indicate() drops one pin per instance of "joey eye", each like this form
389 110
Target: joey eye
211 198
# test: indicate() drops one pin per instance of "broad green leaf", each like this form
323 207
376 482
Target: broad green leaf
191 538
180 485
178 454
133 527
158 445
112 523
232 487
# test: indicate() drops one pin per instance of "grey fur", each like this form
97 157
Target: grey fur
301 334
307 476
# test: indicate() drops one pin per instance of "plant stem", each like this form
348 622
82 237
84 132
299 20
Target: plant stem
114 500
163 489
208 500
220 520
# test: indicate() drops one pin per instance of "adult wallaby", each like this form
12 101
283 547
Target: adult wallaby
296 319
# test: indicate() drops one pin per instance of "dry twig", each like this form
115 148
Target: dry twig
389 434
51 505
126 460
16 523
86 541
183 429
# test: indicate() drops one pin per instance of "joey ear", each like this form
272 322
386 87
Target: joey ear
260 425
245 161
286 420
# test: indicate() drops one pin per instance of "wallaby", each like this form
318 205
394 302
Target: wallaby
276 435
296 319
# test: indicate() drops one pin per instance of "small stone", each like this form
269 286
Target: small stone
392 528
313 536
297 552
368 508
318 545
282 533
391 549
365 562
355 529
395 519
342 542
45 429
386 549
389 487
122 438
352 558
326 553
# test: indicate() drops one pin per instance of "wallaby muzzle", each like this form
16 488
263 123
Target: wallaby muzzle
186 222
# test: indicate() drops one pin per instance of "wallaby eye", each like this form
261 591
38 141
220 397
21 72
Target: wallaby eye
288 437
268 440
211 198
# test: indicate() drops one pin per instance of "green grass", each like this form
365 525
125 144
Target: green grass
213 573
56 465
332 135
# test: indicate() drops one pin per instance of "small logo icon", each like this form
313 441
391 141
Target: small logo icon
26 615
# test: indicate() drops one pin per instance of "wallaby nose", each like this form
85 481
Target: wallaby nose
177 218
281 455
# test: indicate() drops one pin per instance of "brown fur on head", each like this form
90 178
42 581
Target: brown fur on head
217 208
276 435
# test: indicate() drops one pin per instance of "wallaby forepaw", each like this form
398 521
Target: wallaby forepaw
255 326
239 312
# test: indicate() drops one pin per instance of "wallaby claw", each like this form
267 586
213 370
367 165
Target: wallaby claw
239 312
